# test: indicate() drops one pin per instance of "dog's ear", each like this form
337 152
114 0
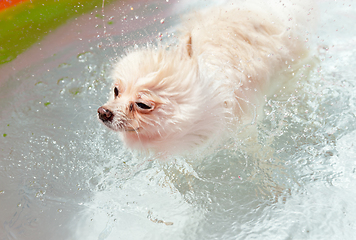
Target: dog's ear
187 48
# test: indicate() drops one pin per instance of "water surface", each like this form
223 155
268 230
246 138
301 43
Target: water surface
65 176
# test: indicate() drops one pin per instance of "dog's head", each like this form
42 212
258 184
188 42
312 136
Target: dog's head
161 100
156 98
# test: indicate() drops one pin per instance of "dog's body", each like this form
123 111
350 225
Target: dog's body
226 61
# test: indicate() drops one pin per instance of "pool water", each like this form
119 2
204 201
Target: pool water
63 175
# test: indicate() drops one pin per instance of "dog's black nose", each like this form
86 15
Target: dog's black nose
105 114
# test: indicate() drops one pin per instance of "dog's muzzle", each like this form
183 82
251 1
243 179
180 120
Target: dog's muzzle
105 114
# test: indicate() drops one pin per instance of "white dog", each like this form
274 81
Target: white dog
228 58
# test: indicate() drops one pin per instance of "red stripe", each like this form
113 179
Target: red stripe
8 3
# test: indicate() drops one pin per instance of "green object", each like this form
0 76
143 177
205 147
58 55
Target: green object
24 24
4 135
47 103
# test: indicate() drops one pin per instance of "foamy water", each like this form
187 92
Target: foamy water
65 176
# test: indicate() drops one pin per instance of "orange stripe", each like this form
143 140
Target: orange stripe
8 3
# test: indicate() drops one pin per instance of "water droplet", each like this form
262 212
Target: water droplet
83 57
59 210
40 193
162 20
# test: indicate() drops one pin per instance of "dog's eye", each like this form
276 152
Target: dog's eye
142 105
116 91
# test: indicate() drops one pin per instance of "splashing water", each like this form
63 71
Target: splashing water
64 176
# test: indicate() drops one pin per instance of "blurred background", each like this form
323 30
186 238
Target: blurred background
64 176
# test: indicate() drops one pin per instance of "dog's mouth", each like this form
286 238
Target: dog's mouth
121 127
130 129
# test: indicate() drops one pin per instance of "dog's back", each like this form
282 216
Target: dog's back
246 45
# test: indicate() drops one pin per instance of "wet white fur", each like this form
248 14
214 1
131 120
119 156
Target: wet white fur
228 58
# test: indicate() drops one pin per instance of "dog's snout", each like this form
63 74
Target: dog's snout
105 114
